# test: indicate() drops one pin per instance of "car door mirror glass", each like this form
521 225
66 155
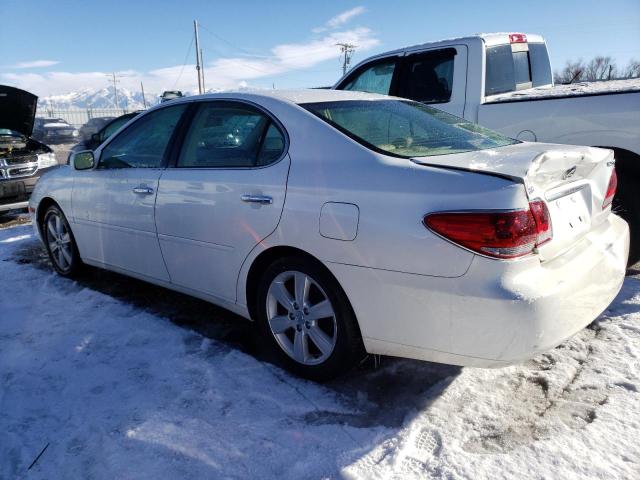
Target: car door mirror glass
83 160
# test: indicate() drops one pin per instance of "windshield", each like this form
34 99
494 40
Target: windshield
406 129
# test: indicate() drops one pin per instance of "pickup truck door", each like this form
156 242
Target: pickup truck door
113 204
436 77
224 195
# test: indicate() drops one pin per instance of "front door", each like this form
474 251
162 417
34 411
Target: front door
224 196
113 204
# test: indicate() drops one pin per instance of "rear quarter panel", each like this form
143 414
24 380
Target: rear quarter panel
392 196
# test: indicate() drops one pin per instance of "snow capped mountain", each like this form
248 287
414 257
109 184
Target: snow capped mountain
105 98
102 98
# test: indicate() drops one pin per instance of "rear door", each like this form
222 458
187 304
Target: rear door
224 195
113 205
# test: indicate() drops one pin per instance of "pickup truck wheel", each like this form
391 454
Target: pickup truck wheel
306 319
60 243
627 204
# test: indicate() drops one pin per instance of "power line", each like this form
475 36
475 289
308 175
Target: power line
186 57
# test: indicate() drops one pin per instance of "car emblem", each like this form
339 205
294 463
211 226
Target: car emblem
569 173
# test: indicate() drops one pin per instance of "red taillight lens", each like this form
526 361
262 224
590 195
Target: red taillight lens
611 189
517 38
496 234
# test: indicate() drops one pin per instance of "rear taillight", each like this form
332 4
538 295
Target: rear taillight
611 189
499 234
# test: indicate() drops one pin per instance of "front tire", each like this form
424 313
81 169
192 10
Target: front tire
60 243
306 319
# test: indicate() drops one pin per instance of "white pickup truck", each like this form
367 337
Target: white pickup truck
504 81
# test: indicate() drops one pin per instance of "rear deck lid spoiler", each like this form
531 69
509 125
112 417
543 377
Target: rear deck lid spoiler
539 166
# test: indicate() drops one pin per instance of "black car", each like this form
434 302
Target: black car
94 125
54 130
22 159
92 142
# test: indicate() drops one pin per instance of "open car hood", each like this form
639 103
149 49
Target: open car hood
17 110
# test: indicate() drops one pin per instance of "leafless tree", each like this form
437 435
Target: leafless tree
598 68
632 70
601 68
571 73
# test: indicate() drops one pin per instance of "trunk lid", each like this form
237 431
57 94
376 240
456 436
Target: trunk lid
571 180
17 110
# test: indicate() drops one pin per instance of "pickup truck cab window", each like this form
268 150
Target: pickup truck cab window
376 78
516 67
428 76
143 144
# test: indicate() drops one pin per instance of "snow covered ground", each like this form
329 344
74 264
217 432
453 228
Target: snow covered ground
118 379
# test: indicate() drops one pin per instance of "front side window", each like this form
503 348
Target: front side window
374 79
430 77
230 135
114 126
406 129
143 144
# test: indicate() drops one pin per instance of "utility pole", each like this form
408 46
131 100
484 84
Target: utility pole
347 50
204 90
144 100
115 87
198 53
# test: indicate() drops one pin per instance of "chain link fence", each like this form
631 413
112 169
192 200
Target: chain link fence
79 116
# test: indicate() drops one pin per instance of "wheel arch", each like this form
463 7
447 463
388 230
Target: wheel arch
266 258
626 161
43 205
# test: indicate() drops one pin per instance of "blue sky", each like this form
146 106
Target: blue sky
55 47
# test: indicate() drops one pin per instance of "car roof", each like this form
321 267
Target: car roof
292 96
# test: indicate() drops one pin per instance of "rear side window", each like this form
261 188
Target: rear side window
230 135
429 77
374 79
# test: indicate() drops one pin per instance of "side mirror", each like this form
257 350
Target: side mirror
83 160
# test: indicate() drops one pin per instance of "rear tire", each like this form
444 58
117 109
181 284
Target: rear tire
626 203
60 243
306 319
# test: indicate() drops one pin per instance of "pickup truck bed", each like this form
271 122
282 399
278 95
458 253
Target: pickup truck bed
581 89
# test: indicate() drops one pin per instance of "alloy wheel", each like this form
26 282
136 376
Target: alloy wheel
59 241
301 318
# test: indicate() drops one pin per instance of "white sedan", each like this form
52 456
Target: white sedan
345 223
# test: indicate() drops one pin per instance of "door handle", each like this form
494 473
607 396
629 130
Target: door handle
261 199
143 189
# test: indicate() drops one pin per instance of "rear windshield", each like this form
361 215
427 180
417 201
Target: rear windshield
508 70
406 129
